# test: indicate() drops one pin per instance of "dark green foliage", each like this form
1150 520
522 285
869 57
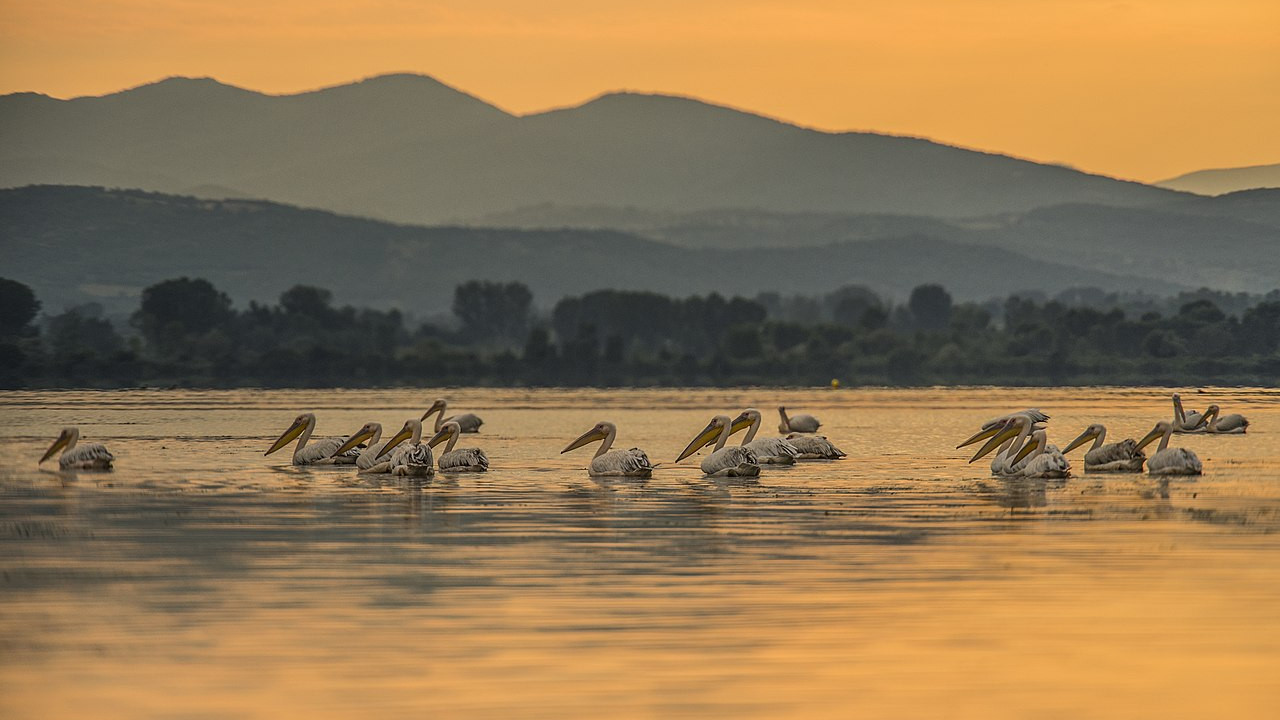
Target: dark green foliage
190 335
18 307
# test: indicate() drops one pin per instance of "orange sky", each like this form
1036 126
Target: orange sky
1142 89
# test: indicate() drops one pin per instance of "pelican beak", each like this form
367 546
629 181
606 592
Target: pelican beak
1209 416
704 438
740 423
289 436
1155 433
984 433
55 447
436 406
1085 437
353 441
439 437
590 436
405 433
1025 451
1001 435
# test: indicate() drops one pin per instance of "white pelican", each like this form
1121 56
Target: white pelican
469 422
768 451
814 447
412 458
1187 421
723 461
1025 421
462 459
1233 424
1123 456
367 461
1013 435
90 456
1167 460
323 452
797 423
1037 460
624 463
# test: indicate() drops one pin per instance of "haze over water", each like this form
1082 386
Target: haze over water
200 579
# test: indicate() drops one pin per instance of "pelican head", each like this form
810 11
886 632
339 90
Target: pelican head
366 431
300 424
601 431
66 438
1006 430
411 428
744 420
1038 440
719 424
448 430
1161 429
437 406
1093 431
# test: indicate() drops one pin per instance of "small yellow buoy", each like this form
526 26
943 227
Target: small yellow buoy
835 384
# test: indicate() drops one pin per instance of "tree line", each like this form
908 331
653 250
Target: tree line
186 332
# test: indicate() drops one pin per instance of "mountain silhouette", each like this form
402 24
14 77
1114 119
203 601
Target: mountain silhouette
408 148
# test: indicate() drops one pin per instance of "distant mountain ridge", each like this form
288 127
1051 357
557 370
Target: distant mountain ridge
409 148
79 244
1225 180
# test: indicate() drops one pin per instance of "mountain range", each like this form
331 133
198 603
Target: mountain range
407 148
1225 180
80 244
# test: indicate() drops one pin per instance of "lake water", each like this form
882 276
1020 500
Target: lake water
203 580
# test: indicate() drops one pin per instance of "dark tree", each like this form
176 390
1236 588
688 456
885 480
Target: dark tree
493 311
308 301
930 306
18 307
174 309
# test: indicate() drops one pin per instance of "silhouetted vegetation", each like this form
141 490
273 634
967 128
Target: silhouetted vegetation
186 332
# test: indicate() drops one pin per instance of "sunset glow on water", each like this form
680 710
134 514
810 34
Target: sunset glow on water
201 579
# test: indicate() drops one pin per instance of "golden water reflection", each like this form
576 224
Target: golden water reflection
201 579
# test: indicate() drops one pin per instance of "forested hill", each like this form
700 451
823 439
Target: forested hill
78 244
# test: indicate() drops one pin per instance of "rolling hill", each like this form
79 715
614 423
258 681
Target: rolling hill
1225 180
408 148
78 244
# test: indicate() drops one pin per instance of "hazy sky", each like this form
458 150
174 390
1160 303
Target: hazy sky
1142 89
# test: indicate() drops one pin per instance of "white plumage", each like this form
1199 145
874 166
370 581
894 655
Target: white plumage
797 423
814 447
1123 456
467 422
1233 424
90 456
461 459
322 452
1040 461
412 458
723 461
612 463
1167 460
768 451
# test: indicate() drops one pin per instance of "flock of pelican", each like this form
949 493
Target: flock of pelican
1018 439
1023 450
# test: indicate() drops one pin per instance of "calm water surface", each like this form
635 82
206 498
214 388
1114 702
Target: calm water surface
203 580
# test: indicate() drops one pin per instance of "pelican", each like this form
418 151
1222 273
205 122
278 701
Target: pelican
1167 460
90 456
1000 464
1014 434
723 461
462 459
1040 460
1185 421
414 457
814 447
1233 424
323 452
798 423
469 422
768 451
1123 456
606 463
367 462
